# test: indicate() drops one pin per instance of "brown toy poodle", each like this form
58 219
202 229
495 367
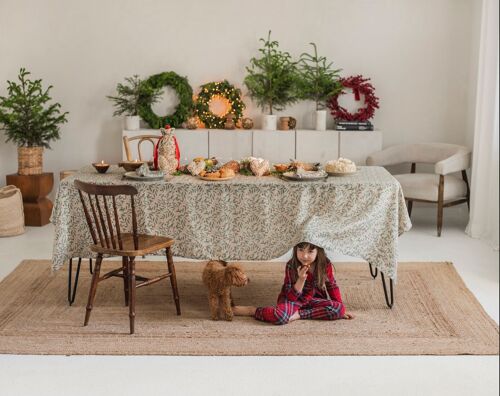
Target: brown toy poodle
219 276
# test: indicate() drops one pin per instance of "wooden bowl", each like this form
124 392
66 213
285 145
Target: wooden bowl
101 168
130 166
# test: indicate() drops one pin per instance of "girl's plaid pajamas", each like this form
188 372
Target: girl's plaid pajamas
312 302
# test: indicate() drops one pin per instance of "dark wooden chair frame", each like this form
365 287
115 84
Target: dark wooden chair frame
440 202
108 239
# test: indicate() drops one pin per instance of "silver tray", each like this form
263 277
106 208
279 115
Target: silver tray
293 177
136 177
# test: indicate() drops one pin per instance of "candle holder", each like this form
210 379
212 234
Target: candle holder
101 167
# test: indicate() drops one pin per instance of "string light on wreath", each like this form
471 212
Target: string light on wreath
221 92
360 86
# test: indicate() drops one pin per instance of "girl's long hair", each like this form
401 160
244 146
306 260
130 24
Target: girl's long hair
319 264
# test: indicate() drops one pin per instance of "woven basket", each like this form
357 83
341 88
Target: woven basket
30 160
11 211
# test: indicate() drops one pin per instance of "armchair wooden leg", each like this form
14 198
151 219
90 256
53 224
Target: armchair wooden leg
410 207
173 280
440 205
93 288
125 278
439 219
131 290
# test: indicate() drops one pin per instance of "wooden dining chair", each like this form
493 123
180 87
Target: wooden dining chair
100 209
153 139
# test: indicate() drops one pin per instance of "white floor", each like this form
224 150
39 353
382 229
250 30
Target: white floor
476 262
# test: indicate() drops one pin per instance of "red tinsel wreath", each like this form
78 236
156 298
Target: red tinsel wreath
360 86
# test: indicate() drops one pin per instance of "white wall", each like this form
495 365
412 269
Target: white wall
421 56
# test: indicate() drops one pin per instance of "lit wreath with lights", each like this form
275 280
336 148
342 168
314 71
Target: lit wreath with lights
360 86
218 90
183 90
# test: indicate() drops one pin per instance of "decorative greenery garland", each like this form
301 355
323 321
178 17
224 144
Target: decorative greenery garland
225 90
359 85
183 90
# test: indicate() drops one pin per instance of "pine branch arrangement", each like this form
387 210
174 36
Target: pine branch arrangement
272 79
318 81
26 116
132 95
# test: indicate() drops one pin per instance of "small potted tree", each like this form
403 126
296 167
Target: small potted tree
272 80
130 97
318 82
30 121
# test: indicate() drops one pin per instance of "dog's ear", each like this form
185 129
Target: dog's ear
234 275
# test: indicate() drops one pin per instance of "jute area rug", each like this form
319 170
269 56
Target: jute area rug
434 314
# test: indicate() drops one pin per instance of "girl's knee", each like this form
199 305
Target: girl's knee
335 310
281 317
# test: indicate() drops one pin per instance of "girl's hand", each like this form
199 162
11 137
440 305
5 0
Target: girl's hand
348 316
302 272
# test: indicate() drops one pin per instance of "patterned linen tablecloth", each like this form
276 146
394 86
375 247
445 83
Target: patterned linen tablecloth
249 218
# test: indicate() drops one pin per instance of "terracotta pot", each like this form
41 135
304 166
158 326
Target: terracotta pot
284 123
30 160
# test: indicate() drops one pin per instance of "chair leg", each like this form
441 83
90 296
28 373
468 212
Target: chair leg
93 288
125 278
131 290
440 205
439 218
173 280
410 207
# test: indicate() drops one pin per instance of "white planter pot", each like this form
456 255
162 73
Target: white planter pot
269 122
321 120
132 123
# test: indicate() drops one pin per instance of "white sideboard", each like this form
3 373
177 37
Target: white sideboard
276 146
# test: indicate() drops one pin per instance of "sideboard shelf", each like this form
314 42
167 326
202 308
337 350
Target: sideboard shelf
276 146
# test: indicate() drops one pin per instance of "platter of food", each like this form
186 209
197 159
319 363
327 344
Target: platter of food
302 175
208 178
154 176
341 167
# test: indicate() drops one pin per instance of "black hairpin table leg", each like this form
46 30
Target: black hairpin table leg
72 287
389 300
71 295
389 297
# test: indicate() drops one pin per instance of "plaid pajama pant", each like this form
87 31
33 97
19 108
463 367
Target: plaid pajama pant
316 308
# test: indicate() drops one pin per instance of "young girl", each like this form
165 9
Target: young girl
309 290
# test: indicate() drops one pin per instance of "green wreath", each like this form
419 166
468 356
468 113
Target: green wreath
226 90
184 91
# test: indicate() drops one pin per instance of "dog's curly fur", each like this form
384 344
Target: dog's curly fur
219 276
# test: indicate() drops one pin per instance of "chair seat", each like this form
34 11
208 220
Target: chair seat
426 185
147 244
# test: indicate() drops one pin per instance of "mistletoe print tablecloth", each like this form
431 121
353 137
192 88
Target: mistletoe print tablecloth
249 218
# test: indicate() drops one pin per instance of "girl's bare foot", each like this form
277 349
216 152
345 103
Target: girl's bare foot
295 316
348 316
241 310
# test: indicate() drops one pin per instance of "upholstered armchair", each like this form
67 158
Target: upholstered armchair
440 187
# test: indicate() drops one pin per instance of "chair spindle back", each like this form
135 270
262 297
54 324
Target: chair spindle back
153 139
104 223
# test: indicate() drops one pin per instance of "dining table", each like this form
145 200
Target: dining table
249 218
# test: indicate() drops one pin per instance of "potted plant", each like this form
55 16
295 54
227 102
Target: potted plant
318 82
30 121
272 80
130 97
